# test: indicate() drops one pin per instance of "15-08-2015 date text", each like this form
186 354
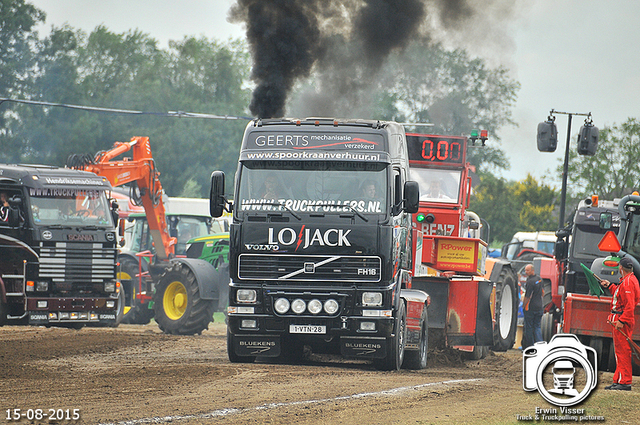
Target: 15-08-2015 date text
42 414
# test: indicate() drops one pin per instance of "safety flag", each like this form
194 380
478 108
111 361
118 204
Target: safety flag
593 281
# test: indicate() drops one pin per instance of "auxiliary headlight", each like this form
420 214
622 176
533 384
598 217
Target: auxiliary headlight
315 306
246 296
298 306
331 306
371 299
110 286
281 305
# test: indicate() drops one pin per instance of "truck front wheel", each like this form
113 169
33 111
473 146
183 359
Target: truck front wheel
417 359
178 307
395 344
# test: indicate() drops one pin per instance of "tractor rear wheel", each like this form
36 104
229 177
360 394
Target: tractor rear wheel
506 310
178 307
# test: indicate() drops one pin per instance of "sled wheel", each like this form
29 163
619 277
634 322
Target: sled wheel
506 311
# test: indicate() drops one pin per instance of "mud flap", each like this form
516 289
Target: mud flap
484 319
254 345
359 347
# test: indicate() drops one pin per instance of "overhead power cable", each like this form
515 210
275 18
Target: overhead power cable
173 114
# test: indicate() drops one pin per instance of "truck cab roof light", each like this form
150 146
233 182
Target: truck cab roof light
594 200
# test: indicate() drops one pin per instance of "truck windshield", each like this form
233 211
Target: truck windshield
313 187
633 238
72 207
585 241
437 185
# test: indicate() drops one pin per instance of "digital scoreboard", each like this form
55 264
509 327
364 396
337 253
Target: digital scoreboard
437 150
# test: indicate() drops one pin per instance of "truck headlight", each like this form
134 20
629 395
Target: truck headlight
110 287
331 306
246 296
281 305
298 306
371 299
42 286
315 306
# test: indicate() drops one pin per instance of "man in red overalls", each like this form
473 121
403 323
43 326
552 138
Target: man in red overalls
626 296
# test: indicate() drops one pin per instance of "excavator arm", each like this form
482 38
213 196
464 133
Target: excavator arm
141 170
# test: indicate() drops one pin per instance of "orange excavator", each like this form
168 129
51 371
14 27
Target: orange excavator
184 291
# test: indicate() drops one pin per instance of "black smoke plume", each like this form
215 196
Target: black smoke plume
347 41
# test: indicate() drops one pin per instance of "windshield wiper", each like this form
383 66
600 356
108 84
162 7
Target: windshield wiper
348 206
56 226
275 204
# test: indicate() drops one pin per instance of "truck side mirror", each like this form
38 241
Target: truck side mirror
547 136
411 197
114 211
606 220
217 200
561 249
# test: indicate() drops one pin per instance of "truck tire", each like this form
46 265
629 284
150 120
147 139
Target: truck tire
506 310
395 344
178 307
233 357
3 313
120 311
546 325
135 312
417 359
611 358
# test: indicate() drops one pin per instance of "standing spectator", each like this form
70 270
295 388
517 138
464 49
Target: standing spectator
626 296
532 307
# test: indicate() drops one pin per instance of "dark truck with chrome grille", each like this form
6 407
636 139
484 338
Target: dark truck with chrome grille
58 253
321 243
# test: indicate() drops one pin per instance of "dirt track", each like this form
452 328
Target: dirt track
135 374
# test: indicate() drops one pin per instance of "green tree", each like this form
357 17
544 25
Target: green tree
17 19
18 41
613 171
514 206
129 71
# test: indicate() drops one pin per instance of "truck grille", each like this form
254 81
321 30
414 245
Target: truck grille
77 262
306 268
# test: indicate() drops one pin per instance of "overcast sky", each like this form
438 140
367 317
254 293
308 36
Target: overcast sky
575 56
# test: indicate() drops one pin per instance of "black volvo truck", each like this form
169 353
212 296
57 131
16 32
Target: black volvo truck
321 243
